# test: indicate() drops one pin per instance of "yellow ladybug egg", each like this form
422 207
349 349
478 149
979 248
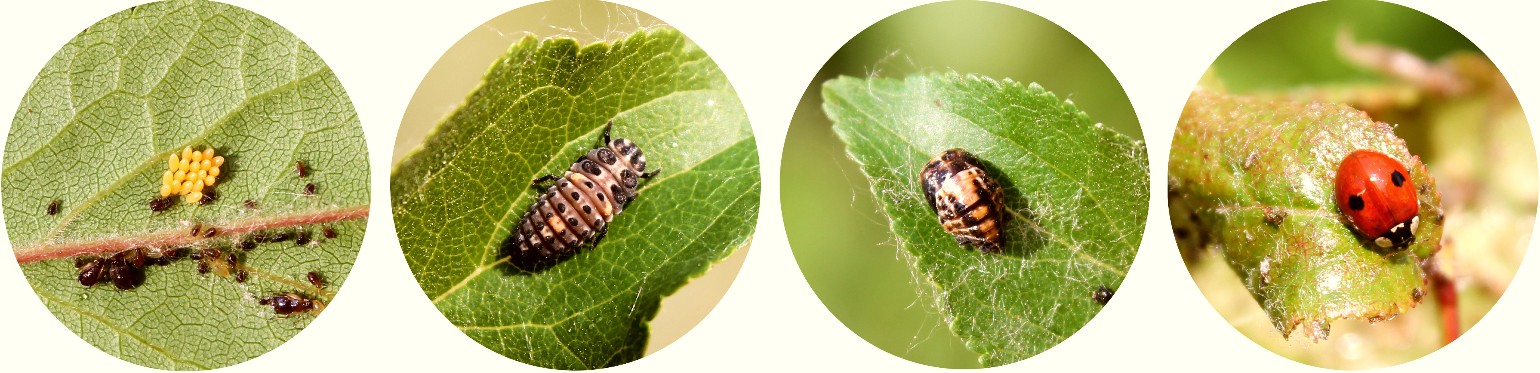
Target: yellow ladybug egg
219 161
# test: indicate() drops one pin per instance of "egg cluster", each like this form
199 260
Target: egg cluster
190 173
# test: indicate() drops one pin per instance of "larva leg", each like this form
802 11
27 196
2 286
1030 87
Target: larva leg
542 180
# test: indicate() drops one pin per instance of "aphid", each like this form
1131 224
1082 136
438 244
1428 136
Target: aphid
273 237
124 275
91 270
302 238
316 280
203 267
577 208
196 227
300 170
309 189
161 204
1102 295
328 232
53 206
240 276
230 260
211 232
211 253
286 303
965 199
246 245
250 204
208 197
1376 194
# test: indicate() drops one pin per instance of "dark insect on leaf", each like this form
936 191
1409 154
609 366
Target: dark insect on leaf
1102 295
309 189
300 170
161 204
316 280
53 207
287 303
328 232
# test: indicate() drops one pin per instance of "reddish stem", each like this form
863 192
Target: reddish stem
1448 302
180 237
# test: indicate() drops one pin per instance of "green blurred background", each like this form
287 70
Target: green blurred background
1476 144
841 241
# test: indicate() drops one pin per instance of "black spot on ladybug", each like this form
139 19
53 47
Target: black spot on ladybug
1356 203
531 249
1396 178
53 206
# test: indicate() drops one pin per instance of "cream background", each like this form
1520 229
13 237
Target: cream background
769 320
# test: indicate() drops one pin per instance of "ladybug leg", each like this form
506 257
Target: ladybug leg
607 126
542 180
649 175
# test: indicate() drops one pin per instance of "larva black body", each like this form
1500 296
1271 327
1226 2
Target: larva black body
576 210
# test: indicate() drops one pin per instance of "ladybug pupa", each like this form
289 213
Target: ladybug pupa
965 199
1378 197
576 210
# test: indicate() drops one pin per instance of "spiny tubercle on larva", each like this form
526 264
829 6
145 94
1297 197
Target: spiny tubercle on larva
188 174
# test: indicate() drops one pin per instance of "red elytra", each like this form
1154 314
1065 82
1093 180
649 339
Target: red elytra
1377 195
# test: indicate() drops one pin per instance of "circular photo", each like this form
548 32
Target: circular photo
965 184
575 184
1352 184
186 185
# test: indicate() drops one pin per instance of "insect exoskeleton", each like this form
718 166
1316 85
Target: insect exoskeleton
965 199
576 210
288 303
1378 196
188 174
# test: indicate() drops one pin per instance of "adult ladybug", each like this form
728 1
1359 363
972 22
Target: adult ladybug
1377 195
965 199
576 209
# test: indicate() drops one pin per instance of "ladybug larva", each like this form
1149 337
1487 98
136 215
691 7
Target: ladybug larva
965 199
1376 193
577 208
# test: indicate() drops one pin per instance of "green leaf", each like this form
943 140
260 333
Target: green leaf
1077 196
1238 162
94 133
540 107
